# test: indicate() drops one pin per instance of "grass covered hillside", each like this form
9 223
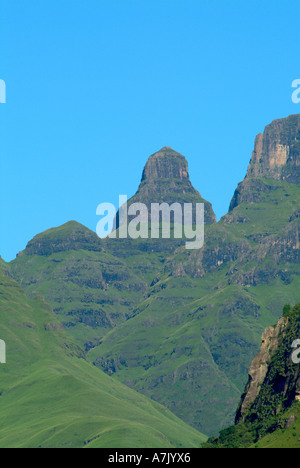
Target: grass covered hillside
194 335
92 284
50 396
181 326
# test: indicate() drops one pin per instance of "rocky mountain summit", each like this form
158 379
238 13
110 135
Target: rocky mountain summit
166 164
276 156
165 179
276 153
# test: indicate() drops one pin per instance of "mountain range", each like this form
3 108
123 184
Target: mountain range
177 327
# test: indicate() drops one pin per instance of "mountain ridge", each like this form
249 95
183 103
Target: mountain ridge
277 151
165 179
173 324
276 156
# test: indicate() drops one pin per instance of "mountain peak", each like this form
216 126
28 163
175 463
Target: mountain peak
165 179
276 153
276 156
166 164
69 236
167 148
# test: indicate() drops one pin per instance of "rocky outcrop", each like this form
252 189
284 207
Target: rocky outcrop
276 155
276 152
274 378
250 190
166 164
259 366
165 179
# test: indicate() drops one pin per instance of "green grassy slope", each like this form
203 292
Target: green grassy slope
179 326
287 436
198 330
92 284
50 396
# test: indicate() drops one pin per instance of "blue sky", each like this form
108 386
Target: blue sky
94 87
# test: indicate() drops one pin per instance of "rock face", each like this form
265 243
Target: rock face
166 164
276 155
259 366
270 403
276 152
274 379
165 179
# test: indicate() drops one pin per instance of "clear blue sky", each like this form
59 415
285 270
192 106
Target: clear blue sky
96 86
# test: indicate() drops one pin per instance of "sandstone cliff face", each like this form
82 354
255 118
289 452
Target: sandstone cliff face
166 164
276 155
274 378
277 148
259 366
